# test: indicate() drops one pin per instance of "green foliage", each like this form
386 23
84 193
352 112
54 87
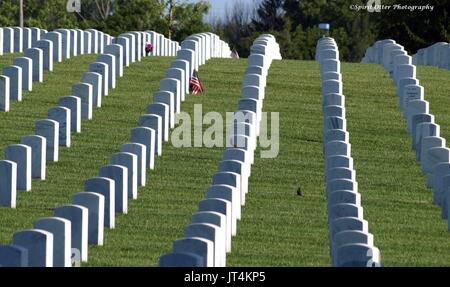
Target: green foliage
304 13
299 44
110 16
188 19
136 15
8 13
354 31
415 30
46 14
236 29
269 16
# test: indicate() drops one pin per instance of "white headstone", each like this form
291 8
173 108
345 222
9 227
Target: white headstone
60 228
4 93
8 183
14 73
26 64
39 244
145 136
78 217
84 92
36 55
74 105
95 204
129 161
119 174
94 79
21 155
168 99
49 129
38 145
62 116
106 187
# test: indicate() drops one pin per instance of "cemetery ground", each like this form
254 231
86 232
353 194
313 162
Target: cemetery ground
406 225
278 227
7 59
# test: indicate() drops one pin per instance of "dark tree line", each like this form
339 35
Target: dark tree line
110 16
293 22
295 25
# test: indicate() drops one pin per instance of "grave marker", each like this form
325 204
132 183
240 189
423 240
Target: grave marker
49 129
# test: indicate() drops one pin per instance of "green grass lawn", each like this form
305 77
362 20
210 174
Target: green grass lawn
19 121
406 225
90 150
174 189
435 82
7 59
278 228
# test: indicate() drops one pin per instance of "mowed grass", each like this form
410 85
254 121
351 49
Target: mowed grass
177 184
7 59
19 121
435 82
280 228
90 149
406 225
277 227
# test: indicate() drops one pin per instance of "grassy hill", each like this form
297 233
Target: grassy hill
278 228
406 225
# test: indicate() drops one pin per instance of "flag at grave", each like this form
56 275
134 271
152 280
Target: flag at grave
234 54
195 85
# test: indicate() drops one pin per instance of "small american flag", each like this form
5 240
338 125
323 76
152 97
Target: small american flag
195 84
234 54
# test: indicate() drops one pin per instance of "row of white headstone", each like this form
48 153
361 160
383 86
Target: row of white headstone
17 39
55 241
46 48
351 243
207 239
437 55
28 159
62 44
74 41
430 147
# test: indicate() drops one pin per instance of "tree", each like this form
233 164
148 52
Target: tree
137 15
352 30
237 28
95 12
305 13
415 29
8 13
269 16
188 19
46 14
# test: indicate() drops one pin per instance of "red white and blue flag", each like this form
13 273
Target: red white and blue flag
195 85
